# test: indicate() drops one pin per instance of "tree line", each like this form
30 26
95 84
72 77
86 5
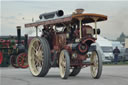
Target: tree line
122 37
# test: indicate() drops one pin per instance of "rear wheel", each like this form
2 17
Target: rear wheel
75 71
64 64
13 60
39 57
22 60
96 67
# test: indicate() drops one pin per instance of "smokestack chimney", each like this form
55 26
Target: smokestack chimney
19 34
26 41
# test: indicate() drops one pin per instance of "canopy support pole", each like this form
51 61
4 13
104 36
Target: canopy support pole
36 30
95 19
80 26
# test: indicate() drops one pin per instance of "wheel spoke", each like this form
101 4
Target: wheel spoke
39 48
38 55
34 49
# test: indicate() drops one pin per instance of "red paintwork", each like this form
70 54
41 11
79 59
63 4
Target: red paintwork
7 43
84 30
80 65
1 57
29 40
78 61
81 57
88 39
59 41
68 48
81 49
21 59
56 47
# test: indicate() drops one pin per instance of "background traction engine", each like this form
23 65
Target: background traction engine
19 56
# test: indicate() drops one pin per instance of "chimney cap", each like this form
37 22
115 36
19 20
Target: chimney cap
18 27
79 11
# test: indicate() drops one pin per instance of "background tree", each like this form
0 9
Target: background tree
122 37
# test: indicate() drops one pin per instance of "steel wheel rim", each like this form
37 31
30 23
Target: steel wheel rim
23 60
62 64
95 64
35 56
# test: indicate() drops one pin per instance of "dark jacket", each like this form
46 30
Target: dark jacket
116 51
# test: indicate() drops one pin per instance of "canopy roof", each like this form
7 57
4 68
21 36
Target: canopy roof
87 18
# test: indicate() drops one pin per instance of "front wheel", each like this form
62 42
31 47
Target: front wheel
39 57
96 67
64 64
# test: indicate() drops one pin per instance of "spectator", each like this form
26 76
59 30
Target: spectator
116 52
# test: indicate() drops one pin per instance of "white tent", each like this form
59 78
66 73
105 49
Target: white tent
106 47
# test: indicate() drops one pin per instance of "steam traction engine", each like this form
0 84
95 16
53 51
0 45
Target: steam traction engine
13 50
66 42
19 55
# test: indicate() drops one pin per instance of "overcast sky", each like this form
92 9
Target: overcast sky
15 13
